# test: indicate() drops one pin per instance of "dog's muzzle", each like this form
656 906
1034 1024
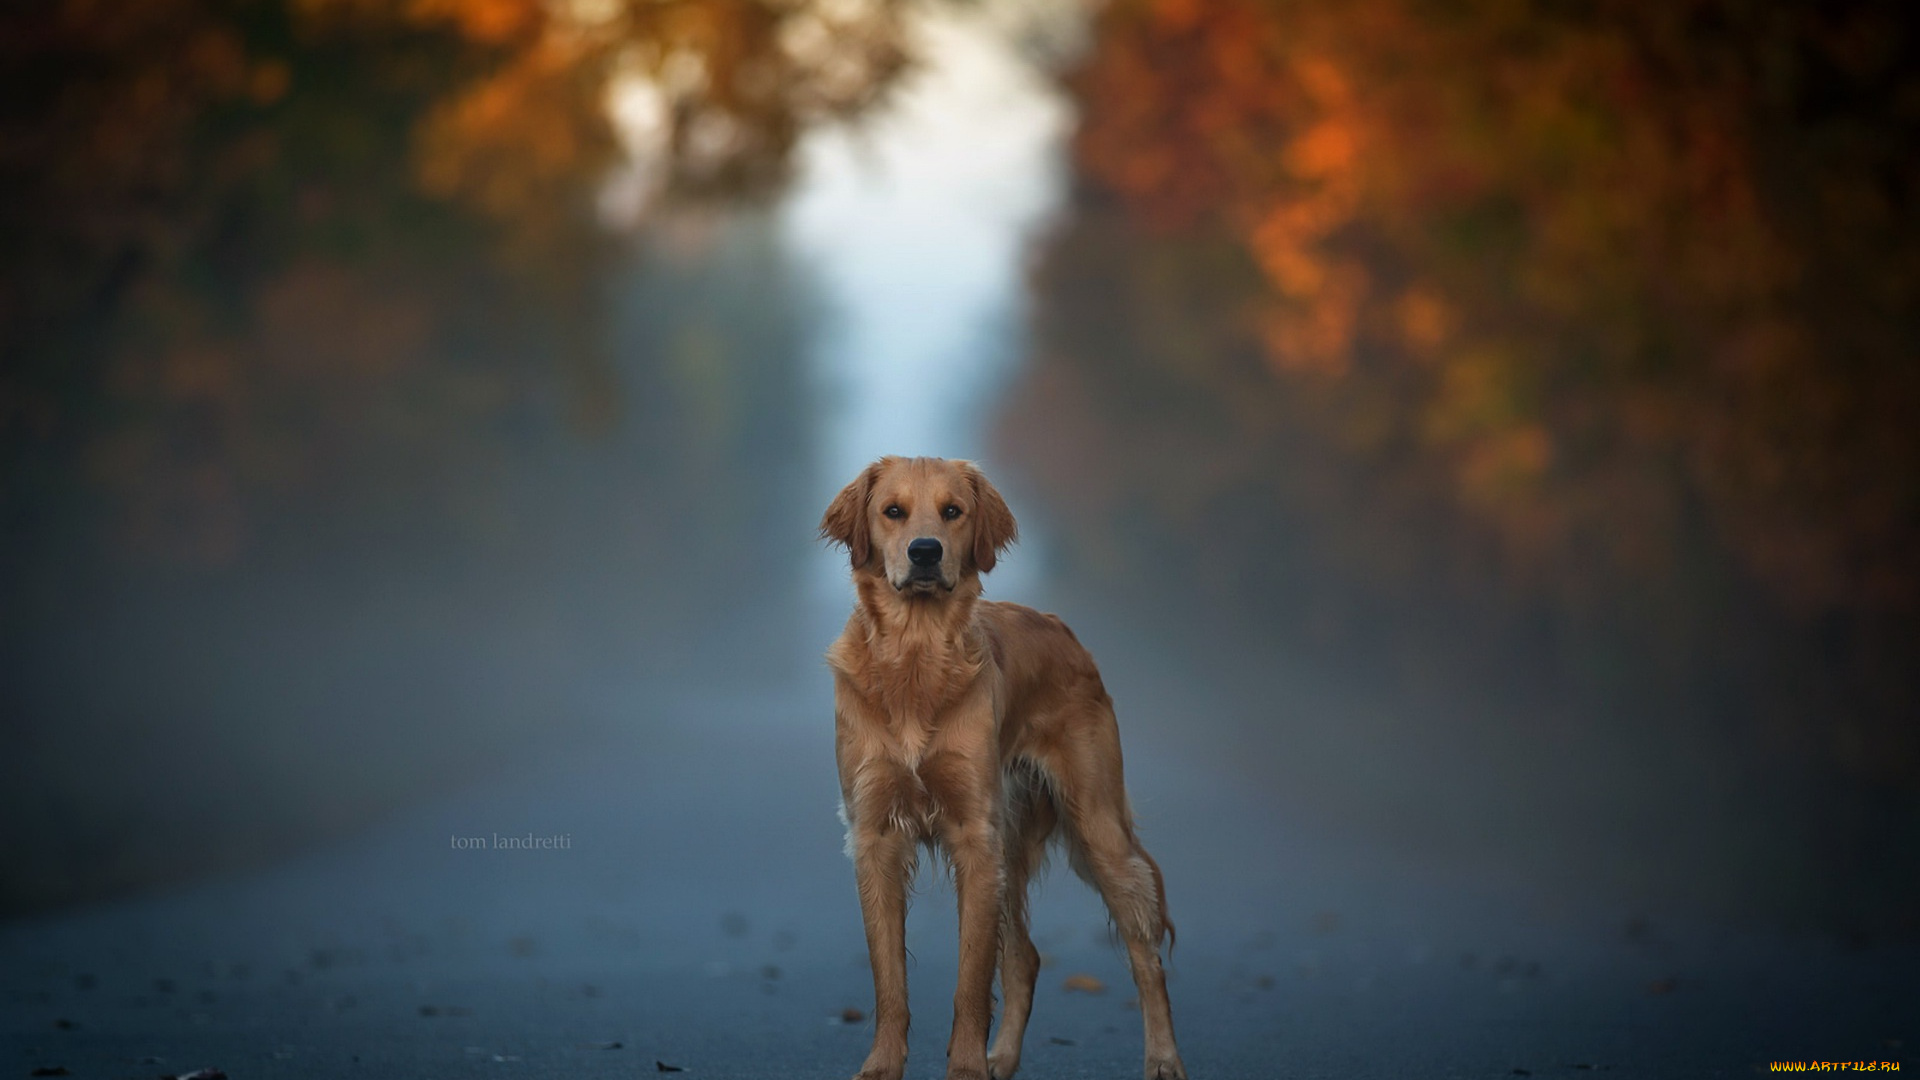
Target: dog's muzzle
923 575
925 553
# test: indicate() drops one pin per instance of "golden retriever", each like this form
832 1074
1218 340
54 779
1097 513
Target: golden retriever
980 729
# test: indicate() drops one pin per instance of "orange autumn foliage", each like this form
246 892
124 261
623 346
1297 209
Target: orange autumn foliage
1585 247
1575 332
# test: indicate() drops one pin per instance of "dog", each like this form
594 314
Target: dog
981 730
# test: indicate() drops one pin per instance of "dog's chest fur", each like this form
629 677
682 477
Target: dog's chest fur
910 659
915 721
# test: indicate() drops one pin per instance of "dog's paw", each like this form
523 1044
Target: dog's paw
1002 1065
965 1072
881 1072
1166 1069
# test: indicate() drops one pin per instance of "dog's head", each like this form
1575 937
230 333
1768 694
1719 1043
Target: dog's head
921 524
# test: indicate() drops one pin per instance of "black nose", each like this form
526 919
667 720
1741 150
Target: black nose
924 552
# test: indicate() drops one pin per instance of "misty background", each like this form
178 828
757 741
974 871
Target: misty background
1499 419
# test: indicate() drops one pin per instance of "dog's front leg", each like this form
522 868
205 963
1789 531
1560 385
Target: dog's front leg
978 880
883 863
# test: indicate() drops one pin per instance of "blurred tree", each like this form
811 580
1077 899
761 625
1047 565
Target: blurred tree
304 307
265 253
1592 313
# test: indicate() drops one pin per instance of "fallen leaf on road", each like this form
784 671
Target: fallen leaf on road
1086 984
664 1067
851 1016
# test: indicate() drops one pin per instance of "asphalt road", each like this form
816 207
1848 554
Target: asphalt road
701 915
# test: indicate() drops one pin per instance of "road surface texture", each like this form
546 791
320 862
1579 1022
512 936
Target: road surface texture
701 916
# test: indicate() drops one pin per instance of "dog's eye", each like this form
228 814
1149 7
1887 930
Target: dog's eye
894 511
950 512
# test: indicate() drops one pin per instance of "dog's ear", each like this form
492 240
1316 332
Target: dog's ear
845 521
993 525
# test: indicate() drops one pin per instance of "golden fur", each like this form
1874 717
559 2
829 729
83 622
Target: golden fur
983 729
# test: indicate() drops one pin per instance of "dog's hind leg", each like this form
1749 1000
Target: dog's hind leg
1031 820
1111 858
